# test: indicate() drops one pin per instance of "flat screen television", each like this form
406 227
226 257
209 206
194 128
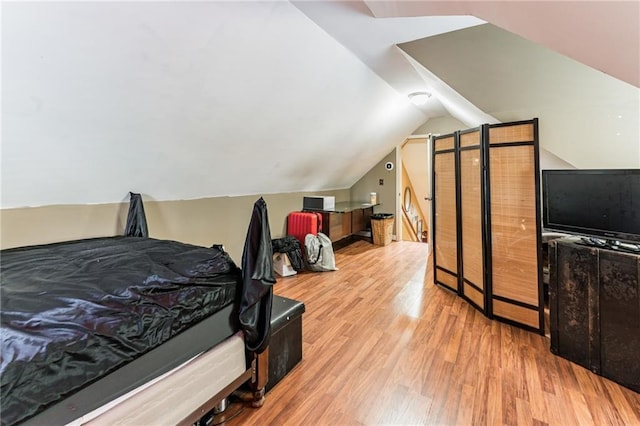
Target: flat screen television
603 204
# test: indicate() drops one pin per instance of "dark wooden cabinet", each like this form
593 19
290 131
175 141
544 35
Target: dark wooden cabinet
595 309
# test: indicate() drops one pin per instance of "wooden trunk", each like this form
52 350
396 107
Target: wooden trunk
595 309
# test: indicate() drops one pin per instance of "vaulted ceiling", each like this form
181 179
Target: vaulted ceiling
182 100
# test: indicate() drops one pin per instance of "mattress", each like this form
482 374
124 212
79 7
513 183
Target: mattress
75 314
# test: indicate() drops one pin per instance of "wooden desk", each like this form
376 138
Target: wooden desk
347 221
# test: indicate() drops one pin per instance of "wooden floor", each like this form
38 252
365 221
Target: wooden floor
383 345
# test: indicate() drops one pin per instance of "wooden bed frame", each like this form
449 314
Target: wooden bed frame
146 402
256 376
164 401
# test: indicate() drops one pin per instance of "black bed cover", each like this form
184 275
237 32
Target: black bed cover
74 311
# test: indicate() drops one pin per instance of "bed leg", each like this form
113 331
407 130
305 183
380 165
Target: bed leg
261 375
257 385
258 398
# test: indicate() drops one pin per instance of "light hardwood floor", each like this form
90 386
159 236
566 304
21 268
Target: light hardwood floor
383 345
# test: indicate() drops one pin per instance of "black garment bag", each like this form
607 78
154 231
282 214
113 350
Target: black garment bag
258 280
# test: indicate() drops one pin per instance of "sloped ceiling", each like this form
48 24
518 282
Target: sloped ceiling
586 117
604 35
182 100
499 71
374 41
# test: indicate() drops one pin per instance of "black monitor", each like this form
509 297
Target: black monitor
602 204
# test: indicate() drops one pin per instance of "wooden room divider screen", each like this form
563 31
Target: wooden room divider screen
445 218
472 218
515 227
487 229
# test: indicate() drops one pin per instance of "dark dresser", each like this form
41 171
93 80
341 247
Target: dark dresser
595 309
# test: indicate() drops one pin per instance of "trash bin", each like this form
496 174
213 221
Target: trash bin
382 228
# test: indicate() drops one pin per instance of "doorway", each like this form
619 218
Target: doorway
414 195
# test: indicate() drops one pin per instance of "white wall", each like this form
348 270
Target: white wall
386 193
206 221
440 126
588 136
370 182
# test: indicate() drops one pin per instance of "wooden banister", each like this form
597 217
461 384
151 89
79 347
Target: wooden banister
408 224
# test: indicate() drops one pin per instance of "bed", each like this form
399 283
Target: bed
89 321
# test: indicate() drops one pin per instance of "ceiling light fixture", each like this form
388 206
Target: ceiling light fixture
419 98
